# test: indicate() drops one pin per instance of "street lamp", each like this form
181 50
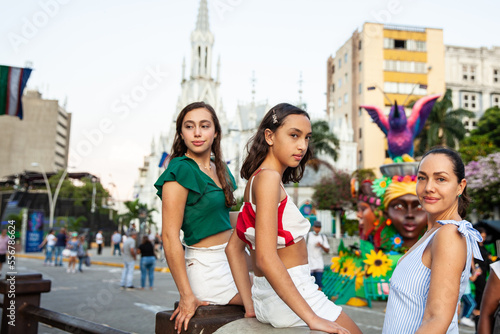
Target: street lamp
52 200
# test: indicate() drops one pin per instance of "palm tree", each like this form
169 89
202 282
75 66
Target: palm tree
134 211
444 126
322 142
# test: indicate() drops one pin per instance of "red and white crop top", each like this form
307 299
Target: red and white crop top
292 226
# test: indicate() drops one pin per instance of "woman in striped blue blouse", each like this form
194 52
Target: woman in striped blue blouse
431 277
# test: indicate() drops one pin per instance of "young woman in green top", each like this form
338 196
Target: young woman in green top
197 193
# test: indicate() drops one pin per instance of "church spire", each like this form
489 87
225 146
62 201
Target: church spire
202 22
202 41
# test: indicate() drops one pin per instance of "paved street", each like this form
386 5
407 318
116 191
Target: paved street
95 295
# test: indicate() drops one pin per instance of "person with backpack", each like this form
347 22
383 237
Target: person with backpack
317 244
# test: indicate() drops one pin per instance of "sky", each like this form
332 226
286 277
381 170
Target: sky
117 64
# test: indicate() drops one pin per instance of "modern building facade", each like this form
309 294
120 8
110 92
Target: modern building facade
403 63
42 136
473 75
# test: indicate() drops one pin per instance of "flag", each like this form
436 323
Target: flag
163 159
12 83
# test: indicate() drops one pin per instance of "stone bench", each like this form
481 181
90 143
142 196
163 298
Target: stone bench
206 320
252 325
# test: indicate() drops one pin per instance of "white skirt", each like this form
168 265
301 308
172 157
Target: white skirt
271 309
209 274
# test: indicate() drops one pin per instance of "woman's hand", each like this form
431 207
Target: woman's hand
185 311
328 326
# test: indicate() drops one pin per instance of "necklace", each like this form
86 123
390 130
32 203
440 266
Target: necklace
207 168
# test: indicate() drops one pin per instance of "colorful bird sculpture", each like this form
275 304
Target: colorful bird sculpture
399 130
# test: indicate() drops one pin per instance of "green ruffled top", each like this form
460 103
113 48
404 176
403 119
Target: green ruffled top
205 213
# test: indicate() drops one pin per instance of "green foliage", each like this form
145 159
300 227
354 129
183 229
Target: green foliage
322 142
238 205
485 139
134 208
351 226
18 222
334 192
364 174
444 126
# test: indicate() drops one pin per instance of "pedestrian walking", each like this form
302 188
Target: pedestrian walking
99 240
116 239
431 277
49 242
317 244
82 252
270 224
129 256
73 245
148 261
197 194
62 240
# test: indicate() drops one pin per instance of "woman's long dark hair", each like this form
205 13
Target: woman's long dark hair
179 148
459 170
257 146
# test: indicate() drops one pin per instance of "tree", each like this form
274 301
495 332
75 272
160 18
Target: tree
485 139
322 142
134 209
334 192
364 174
483 182
444 126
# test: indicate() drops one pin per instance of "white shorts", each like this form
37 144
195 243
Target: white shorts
72 254
209 274
271 309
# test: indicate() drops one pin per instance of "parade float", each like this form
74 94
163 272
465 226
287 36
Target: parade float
391 220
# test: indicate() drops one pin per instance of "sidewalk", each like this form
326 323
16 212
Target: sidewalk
105 259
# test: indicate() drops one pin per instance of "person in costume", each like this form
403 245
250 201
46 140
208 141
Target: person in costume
283 293
405 219
367 205
197 194
431 277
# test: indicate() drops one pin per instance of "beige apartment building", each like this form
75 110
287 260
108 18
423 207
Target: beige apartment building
404 62
41 136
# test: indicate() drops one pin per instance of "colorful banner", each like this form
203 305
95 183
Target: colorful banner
34 232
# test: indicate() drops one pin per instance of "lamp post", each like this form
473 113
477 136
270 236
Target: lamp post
52 200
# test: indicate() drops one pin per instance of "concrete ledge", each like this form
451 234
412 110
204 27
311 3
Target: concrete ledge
252 325
97 263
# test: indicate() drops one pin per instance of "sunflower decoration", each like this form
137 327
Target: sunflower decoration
349 268
359 280
380 185
397 241
335 267
379 264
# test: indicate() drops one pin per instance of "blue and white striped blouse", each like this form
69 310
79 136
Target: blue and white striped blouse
410 284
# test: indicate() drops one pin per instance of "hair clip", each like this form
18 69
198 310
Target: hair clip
275 118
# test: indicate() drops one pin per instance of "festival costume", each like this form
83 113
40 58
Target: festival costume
410 284
269 307
205 214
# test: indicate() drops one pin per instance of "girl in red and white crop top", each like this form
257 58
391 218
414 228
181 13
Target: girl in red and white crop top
283 293
292 226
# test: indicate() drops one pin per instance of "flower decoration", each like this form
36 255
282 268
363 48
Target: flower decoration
379 264
397 241
349 268
380 185
359 280
388 222
335 267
